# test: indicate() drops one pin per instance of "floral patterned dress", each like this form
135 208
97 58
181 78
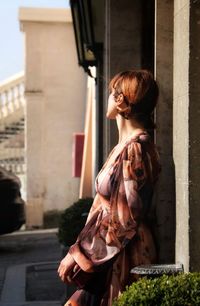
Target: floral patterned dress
116 236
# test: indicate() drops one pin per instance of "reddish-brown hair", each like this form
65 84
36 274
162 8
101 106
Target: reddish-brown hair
139 89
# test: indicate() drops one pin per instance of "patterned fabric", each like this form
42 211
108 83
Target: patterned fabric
116 237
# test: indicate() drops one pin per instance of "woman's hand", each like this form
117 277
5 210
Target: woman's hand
65 267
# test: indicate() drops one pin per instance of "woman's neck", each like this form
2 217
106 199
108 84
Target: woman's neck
127 128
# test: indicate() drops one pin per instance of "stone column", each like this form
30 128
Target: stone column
186 131
55 92
165 194
34 158
194 135
122 50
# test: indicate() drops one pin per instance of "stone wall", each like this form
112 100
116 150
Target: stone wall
122 51
186 131
165 193
55 92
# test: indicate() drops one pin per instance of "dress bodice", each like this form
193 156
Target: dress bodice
103 181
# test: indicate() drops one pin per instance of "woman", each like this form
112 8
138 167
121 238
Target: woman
116 236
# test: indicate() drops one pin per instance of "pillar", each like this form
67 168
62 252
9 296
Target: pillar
122 51
165 193
186 131
55 92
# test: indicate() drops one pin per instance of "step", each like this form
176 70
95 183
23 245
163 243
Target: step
14 288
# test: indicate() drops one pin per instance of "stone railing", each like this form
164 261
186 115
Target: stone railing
12 109
11 96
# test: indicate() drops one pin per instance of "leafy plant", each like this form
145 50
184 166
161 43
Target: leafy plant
180 290
72 220
52 218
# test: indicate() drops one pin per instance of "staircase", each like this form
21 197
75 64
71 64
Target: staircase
12 114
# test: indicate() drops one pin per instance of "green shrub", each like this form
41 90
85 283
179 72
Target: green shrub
51 219
180 290
72 220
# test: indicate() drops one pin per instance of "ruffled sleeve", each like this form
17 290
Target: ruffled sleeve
113 223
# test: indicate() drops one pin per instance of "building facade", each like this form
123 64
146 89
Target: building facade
162 36
55 94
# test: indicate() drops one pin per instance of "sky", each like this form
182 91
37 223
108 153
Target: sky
11 39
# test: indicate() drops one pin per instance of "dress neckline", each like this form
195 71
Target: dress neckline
132 137
129 139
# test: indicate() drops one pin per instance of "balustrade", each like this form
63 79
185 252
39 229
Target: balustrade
12 104
11 95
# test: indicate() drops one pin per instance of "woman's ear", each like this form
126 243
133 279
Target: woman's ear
122 105
120 99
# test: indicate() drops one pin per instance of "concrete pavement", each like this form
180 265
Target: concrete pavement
28 269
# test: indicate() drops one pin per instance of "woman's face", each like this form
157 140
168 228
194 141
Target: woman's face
111 109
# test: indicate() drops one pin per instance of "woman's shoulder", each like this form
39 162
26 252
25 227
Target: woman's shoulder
140 149
142 152
136 145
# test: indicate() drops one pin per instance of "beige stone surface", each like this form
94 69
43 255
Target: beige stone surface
181 129
44 15
86 180
55 90
34 213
